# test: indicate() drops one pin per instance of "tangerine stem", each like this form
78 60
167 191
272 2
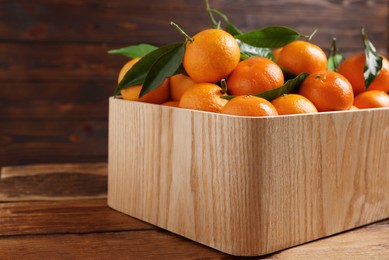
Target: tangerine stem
223 16
224 86
364 36
210 14
366 42
218 25
178 28
309 38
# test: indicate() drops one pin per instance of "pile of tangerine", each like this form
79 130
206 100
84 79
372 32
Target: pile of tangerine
214 55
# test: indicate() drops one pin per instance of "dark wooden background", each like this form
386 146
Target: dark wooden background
56 75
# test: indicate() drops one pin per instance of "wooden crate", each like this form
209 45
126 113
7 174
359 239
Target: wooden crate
244 185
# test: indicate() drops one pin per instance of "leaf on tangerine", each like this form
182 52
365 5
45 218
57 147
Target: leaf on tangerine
373 63
137 74
134 51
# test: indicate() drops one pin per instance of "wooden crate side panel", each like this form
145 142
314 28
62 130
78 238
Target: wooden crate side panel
327 173
248 186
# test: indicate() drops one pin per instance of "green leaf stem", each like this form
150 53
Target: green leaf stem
335 57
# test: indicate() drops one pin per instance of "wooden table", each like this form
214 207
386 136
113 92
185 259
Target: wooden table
59 211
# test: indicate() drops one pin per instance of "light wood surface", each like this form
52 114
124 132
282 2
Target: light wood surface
248 186
78 228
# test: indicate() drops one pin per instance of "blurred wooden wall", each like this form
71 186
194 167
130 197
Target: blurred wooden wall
56 75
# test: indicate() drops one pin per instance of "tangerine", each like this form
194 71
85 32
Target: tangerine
253 76
170 103
276 53
203 96
211 56
157 96
328 91
372 99
249 106
126 67
178 85
352 68
293 104
300 56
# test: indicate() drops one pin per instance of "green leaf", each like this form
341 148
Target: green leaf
165 66
248 51
137 74
373 63
287 74
334 62
269 37
134 51
335 57
287 88
232 29
181 70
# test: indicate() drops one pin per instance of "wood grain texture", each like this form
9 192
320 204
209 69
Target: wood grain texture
128 22
77 228
75 215
150 244
69 181
248 186
54 109
348 245
60 62
48 101
365 243
45 169
41 141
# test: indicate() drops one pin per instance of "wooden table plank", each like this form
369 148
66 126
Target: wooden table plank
54 168
62 225
70 216
53 182
150 244
367 243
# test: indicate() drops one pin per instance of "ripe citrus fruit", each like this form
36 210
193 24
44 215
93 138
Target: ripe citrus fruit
276 53
126 68
372 99
156 96
300 56
293 104
178 85
203 96
171 103
211 56
328 91
253 76
353 107
352 68
249 106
